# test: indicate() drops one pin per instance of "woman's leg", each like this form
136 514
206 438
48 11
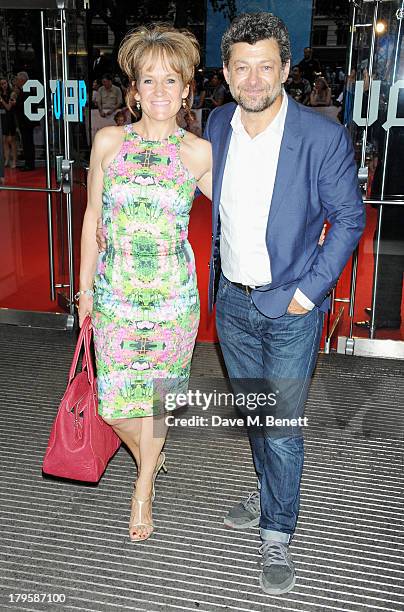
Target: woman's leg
129 431
145 437
152 438
13 147
6 151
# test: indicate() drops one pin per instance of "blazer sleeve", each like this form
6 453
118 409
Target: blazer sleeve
342 202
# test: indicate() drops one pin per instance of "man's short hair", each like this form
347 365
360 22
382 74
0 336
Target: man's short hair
253 27
106 77
22 75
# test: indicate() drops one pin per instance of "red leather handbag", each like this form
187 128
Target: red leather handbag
80 443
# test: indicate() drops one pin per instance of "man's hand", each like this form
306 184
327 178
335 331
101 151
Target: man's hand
101 242
295 308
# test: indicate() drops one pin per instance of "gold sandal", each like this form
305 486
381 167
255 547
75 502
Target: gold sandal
160 465
139 523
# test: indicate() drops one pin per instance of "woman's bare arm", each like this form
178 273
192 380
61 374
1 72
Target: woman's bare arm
104 148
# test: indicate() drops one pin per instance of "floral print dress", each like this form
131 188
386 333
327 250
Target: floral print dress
146 303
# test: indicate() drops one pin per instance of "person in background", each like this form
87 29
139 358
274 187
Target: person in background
321 94
101 64
298 87
8 123
218 90
94 93
109 97
192 124
121 118
309 66
199 93
348 97
26 126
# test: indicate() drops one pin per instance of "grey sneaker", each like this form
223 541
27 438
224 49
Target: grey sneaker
245 514
278 571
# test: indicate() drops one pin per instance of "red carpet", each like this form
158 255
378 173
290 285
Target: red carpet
24 274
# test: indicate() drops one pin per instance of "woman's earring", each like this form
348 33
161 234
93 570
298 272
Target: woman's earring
184 103
138 107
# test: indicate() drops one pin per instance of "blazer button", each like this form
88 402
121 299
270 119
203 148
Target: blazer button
212 236
208 265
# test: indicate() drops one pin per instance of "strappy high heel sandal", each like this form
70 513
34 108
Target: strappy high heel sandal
132 526
160 465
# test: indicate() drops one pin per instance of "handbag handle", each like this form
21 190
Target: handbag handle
84 338
87 359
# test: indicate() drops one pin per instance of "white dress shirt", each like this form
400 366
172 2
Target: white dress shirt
248 184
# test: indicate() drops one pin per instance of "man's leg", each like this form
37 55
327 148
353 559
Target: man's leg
239 335
290 347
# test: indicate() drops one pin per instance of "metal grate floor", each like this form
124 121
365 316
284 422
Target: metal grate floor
62 538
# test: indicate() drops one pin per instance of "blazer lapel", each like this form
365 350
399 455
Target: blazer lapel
220 156
288 158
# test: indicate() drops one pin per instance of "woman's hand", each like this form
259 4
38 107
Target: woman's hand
100 236
85 308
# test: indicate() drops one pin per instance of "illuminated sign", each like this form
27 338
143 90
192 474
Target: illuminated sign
72 98
392 119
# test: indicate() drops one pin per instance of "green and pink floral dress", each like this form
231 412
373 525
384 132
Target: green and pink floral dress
146 303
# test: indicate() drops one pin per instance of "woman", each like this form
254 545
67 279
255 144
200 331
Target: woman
145 305
8 123
321 94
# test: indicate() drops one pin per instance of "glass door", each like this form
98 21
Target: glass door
43 194
371 290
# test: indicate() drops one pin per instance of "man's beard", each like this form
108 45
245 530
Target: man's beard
251 105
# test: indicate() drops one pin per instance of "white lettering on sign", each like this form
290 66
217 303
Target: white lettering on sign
74 93
392 119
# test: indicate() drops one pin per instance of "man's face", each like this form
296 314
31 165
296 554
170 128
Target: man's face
107 83
307 53
296 74
255 74
214 81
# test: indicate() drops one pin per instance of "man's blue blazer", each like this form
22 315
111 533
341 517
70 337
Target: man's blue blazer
316 180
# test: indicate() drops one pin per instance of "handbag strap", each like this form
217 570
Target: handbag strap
87 359
85 332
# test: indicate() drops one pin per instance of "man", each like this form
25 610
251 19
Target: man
279 170
218 90
108 97
298 87
309 66
26 126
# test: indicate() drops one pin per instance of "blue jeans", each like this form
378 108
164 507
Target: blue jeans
280 354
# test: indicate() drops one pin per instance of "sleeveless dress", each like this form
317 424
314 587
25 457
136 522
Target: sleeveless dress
146 303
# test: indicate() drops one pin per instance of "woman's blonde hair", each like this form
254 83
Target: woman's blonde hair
179 48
